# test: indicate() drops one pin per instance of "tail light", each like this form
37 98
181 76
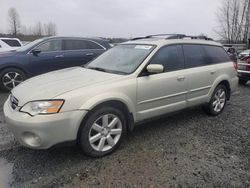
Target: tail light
235 65
248 68
247 61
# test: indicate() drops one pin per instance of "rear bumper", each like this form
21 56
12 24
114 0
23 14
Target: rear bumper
244 70
234 85
244 75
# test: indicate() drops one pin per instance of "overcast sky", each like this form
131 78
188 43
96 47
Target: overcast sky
116 18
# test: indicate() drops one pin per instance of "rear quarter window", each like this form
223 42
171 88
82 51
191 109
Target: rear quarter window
216 54
11 42
92 45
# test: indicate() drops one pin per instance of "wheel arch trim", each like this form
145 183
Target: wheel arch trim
100 100
223 79
15 66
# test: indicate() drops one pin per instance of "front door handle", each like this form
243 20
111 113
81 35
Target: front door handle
213 72
181 78
89 54
59 56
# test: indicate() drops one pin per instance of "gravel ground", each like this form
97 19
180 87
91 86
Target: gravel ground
189 149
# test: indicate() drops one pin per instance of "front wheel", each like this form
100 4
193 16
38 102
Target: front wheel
102 132
10 78
218 101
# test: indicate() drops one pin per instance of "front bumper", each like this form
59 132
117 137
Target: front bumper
43 131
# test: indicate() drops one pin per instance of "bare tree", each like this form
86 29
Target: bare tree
234 21
50 29
38 30
14 21
24 30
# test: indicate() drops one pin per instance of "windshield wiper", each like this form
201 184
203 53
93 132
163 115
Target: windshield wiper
104 70
97 68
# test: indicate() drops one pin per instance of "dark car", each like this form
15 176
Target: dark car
244 70
232 52
47 54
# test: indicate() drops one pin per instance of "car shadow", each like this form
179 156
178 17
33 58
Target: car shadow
31 164
163 123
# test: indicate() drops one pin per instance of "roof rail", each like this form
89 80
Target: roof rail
197 37
170 35
174 36
158 35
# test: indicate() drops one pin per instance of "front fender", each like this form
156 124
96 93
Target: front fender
105 97
15 65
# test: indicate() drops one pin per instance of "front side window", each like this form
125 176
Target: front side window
51 46
123 59
195 56
171 57
29 45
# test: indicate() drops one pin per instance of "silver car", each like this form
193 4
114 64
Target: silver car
96 105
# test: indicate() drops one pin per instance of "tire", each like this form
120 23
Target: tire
217 104
10 78
104 141
242 82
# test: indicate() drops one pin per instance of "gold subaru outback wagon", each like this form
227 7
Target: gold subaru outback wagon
97 104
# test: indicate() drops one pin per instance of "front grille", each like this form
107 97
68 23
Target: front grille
13 102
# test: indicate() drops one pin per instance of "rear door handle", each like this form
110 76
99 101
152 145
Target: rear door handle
59 56
181 78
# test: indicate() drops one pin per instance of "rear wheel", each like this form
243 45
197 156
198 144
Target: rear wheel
218 101
10 78
102 132
242 82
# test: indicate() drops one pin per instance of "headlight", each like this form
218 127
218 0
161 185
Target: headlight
42 107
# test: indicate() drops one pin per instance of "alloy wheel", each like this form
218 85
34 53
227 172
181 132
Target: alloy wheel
219 100
12 79
105 132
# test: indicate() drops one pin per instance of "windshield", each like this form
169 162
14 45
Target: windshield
29 45
123 59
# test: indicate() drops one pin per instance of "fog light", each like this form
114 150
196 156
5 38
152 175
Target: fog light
31 139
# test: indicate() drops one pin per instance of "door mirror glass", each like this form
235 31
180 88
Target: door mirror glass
36 51
155 68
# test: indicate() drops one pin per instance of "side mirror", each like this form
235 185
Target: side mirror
36 51
155 68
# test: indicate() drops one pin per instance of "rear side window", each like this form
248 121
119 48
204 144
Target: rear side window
195 56
171 57
74 45
80 45
12 43
216 54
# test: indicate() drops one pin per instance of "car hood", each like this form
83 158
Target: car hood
50 85
4 54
